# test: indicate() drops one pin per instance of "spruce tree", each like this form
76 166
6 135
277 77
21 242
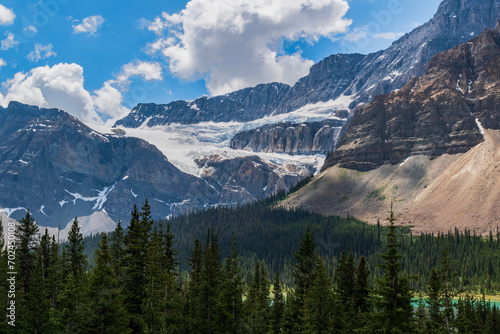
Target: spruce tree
117 250
108 314
36 308
435 302
136 250
321 299
344 276
193 306
449 283
257 302
394 291
277 307
26 243
303 269
362 286
73 311
75 261
230 301
172 298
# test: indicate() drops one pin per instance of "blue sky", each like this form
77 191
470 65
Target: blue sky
97 59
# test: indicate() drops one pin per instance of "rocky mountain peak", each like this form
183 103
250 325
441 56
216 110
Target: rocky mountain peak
444 111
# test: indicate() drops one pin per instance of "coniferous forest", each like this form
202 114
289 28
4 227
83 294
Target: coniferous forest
251 269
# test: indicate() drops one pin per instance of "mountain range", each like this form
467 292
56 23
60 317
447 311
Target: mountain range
248 144
431 148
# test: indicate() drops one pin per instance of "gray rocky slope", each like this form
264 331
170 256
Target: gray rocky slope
58 168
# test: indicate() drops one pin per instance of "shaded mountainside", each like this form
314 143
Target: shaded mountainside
58 168
441 112
360 76
432 148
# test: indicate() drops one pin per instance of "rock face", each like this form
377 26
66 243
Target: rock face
444 111
245 179
58 168
360 76
243 105
304 138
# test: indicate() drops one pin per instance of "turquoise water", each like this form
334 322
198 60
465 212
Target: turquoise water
497 304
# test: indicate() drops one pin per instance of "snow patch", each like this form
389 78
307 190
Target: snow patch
9 211
132 192
458 82
401 164
102 197
42 212
480 126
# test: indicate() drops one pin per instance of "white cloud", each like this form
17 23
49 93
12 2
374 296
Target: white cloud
31 29
356 35
61 86
7 16
150 71
41 52
2 62
89 25
9 42
108 101
389 35
234 43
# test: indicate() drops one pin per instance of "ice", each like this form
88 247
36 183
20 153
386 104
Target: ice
183 143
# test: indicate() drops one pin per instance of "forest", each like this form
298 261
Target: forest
256 268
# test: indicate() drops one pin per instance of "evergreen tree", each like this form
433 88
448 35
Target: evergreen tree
449 278
108 314
193 296
277 307
72 314
230 300
171 294
362 286
257 302
26 243
344 276
117 250
36 308
434 301
321 299
210 284
306 260
74 260
394 291
136 250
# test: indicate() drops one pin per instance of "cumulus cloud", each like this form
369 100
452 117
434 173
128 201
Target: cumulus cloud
62 86
356 35
41 52
2 62
235 43
9 42
89 25
389 35
150 71
7 16
59 86
30 30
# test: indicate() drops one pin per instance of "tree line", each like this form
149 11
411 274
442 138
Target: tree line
135 286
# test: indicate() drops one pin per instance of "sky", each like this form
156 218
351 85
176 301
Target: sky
98 59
